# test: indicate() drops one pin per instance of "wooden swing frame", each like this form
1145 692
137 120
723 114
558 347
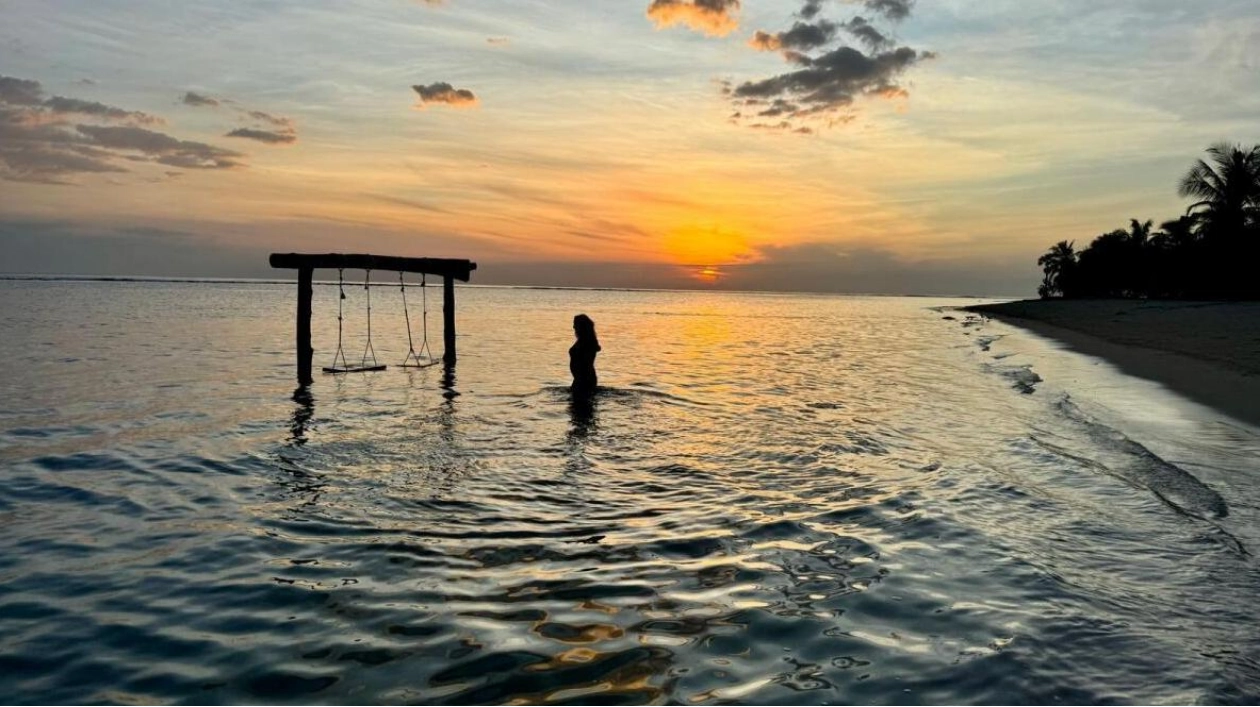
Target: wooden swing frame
448 269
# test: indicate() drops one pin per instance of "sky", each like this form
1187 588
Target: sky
876 146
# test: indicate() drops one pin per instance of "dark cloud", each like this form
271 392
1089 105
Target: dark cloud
895 10
443 93
161 148
830 81
810 267
867 33
196 99
264 127
712 17
803 36
20 92
841 268
831 75
810 8
61 104
48 164
270 137
45 140
63 247
276 120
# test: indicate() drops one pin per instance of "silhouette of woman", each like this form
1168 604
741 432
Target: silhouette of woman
582 356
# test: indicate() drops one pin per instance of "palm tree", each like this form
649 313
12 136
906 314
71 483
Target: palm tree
1139 232
1228 190
1176 234
1057 265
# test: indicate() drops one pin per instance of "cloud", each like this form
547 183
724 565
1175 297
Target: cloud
196 99
62 105
161 148
844 268
268 136
41 163
276 120
443 93
46 141
20 92
826 85
829 82
803 36
265 127
716 18
895 10
867 33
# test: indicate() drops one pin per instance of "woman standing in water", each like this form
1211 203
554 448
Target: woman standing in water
582 356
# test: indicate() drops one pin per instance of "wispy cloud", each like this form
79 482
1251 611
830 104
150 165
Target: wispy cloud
64 106
275 120
160 147
716 18
196 99
442 93
271 137
263 127
43 139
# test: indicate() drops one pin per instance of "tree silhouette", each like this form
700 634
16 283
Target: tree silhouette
1058 266
1210 252
1228 191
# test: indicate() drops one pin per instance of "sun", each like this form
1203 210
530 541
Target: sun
707 274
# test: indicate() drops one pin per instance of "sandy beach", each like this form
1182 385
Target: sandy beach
1206 351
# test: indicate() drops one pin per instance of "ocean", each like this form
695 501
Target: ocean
773 499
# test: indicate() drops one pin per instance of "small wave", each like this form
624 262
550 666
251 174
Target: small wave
1134 463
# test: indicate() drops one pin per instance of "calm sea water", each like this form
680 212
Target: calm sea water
775 499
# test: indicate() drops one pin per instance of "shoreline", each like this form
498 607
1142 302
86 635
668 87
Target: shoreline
1208 352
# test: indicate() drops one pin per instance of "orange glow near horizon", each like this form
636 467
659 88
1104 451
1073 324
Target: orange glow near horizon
714 245
707 274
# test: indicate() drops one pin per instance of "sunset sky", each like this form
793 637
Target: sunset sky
936 146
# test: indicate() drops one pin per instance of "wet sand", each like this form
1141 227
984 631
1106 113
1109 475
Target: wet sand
1206 351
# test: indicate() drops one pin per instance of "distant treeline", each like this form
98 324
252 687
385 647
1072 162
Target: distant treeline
1212 252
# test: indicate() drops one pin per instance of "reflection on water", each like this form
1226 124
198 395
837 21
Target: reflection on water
771 499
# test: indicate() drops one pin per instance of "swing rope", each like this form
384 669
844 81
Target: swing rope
428 359
341 298
368 349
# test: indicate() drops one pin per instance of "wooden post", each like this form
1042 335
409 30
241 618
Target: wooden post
304 351
448 320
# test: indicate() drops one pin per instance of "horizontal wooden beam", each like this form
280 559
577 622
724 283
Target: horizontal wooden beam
446 267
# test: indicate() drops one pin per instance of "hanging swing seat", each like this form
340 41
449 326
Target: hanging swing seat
357 369
424 358
368 362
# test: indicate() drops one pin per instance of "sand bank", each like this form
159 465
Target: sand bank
1206 351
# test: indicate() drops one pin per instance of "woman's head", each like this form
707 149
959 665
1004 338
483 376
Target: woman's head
584 327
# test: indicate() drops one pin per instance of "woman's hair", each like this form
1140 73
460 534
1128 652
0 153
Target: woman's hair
584 327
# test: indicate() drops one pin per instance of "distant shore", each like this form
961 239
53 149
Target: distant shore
1206 351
